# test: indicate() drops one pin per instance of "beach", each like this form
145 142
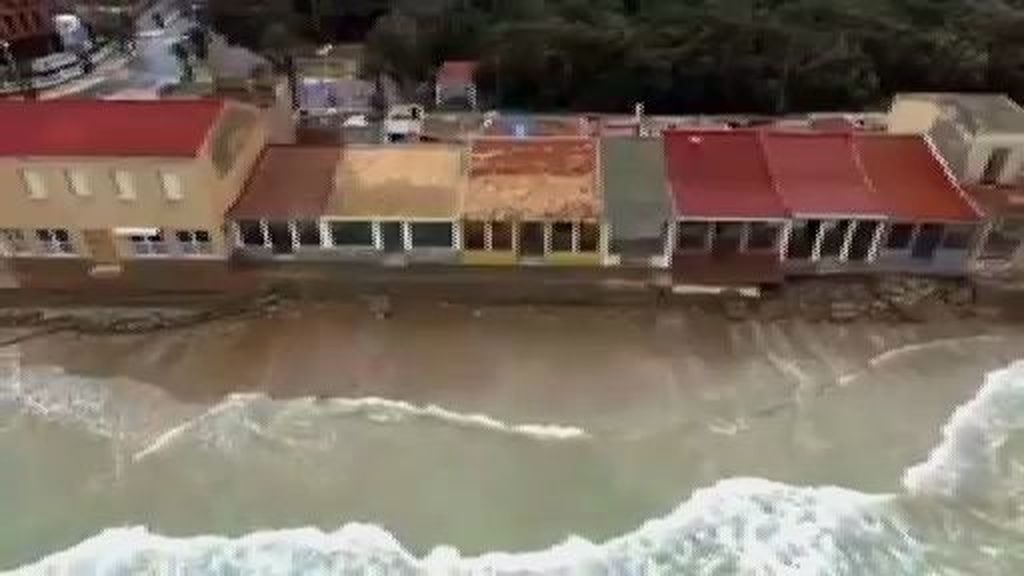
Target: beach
480 427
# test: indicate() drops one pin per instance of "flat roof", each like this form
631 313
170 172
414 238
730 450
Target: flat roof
819 174
532 178
635 188
910 179
405 180
288 182
977 113
106 127
720 174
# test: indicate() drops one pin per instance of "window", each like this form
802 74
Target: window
171 183
801 239
561 237
78 183
995 165
834 238
762 236
12 241
474 236
590 236
34 184
251 232
194 242
309 233
692 236
899 236
148 244
125 185
958 237
531 238
432 235
727 237
501 236
352 233
54 241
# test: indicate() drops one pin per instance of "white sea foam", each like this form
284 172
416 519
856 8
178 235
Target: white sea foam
965 464
739 526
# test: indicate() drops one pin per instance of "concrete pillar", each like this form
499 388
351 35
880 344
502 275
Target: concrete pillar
293 231
670 240
604 239
744 237
515 236
488 235
236 232
709 238
326 238
378 236
876 241
575 237
457 235
844 253
785 232
265 230
547 238
819 239
406 236
914 233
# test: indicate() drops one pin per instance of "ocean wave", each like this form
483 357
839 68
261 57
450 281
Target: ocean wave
965 464
239 416
738 526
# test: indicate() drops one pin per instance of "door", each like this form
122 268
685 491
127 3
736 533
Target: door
392 233
928 238
101 246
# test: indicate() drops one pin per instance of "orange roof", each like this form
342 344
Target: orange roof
532 178
910 179
289 182
105 127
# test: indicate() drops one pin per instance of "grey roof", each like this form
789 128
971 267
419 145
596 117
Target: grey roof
977 113
635 189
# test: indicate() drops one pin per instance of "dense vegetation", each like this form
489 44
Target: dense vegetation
674 55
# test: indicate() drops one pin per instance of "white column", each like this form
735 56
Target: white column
785 232
876 241
744 237
844 254
575 236
670 240
604 229
457 235
265 230
914 233
293 231
709 238
819 239
378 235
326 238
515 236
488 235
407 236
236 231
547 238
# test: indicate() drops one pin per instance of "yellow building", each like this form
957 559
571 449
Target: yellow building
113 180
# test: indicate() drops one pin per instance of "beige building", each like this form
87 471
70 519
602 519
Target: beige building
115 180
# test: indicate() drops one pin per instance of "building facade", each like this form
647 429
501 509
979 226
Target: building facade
110 181
27 30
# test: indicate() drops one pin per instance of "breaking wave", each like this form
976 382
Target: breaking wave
746 526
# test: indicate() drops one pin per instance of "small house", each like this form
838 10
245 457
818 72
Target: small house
636 201
533 201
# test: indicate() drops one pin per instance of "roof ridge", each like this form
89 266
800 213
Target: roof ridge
859 162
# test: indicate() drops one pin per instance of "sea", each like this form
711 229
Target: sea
910 462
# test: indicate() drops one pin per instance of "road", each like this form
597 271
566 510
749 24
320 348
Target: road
146 71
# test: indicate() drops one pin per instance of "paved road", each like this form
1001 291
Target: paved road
152 66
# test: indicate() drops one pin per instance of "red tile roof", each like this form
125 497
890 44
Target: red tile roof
911 180
289 182
457 72
819 174
720 174
105 127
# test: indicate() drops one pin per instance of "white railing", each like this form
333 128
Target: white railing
56 69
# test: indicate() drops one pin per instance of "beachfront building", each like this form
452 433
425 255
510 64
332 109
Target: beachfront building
636 201
455 85
394 205
728 219
981 138
108 181
533 201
